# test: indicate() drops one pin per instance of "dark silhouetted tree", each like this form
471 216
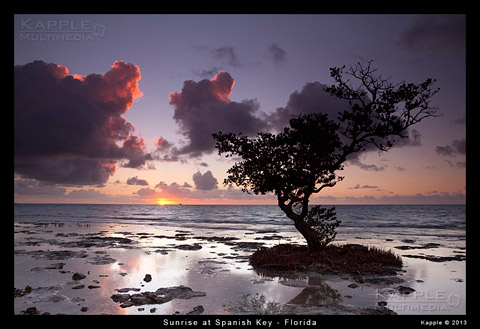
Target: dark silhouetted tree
303 159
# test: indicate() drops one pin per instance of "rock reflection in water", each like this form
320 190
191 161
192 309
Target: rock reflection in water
317 295
316 291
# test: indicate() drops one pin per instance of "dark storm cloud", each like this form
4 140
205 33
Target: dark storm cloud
204 107
66 128
311 99
205 182
435 33
278 55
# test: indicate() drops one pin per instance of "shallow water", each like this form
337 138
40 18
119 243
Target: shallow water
220 267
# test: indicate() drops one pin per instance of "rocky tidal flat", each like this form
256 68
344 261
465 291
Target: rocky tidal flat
100 268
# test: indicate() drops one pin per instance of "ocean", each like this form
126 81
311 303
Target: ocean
422 223
207 248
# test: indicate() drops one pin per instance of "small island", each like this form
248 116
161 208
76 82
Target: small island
348 258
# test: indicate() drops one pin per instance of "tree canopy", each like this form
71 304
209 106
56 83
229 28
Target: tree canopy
305 157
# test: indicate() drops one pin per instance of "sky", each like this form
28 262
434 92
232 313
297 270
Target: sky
120 108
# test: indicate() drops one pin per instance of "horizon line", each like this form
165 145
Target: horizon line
232 204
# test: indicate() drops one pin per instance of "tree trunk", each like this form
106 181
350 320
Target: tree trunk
310 235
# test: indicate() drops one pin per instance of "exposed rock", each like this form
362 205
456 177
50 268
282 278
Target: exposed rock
425 246
45 294
162 295
57 254
93 287
55 266
78 276
353 285
196 310
30 311
180 292
405 247
20 292
405 290
216 238
127 289
195 246
81 286
84 309
438 259
144 298
120 298
101 260
147 278
266 231
245 245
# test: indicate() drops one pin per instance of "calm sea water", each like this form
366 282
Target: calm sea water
422 223
440 287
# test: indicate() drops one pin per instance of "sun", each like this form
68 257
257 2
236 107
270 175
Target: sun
163 202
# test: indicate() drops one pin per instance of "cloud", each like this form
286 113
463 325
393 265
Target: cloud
446 150
456 147
89 194
145 191
435 33
228 55
460 146
33 187
358 186
162 144
204 107
207 74
419 198
311 99
70 130
205 182
355 161
136 181
174 190
412 138
278 55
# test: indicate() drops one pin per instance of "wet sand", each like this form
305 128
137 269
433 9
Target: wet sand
100 268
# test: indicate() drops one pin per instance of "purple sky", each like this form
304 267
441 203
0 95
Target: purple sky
123 113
